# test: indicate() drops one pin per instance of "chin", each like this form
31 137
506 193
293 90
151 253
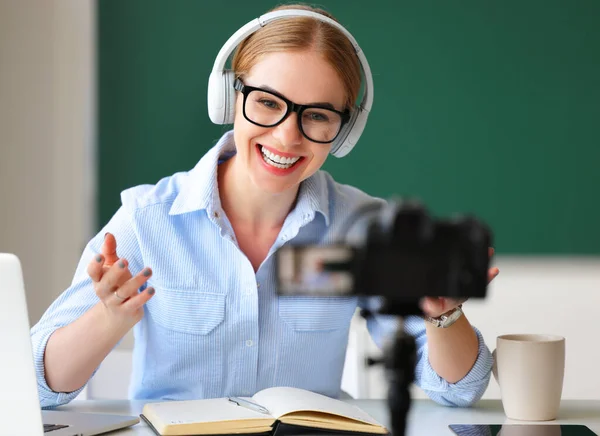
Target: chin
272 187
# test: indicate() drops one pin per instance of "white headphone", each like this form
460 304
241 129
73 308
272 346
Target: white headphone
221 95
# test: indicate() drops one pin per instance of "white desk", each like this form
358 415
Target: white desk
425 419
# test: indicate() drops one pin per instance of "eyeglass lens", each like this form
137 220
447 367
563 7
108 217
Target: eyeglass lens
266 109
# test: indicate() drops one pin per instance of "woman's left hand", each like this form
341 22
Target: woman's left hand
436 306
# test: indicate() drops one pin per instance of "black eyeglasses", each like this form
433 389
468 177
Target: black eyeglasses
268 109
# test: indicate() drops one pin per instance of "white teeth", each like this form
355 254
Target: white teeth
276 160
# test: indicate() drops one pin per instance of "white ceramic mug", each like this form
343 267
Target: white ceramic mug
530 371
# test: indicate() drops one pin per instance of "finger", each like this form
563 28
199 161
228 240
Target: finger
130 287
112 279
134 303
491 251
109 249
433 306
492 273
94 268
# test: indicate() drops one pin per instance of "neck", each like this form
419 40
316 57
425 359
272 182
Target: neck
243 203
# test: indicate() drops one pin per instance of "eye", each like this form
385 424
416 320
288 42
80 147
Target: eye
316 116
268 103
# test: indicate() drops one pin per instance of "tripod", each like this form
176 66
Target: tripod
399 361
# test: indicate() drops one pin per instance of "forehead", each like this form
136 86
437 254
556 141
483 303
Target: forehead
301 76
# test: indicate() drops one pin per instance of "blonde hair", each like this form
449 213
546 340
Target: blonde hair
299 34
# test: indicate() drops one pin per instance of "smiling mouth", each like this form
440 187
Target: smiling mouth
278 161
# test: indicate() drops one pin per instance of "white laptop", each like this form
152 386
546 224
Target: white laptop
20 411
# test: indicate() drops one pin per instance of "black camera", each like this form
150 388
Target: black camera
400 253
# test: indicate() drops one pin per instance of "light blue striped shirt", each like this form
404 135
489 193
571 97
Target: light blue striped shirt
216 328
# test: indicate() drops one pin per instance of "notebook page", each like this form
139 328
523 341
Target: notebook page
209 410
282 400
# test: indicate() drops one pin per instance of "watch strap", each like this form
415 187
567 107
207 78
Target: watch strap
446 319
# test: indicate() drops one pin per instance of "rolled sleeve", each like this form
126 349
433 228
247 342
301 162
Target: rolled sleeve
463 393
48 398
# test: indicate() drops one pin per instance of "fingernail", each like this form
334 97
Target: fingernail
105 235
121 264
147 272
98 258
150 291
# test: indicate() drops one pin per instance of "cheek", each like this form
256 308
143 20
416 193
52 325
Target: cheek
244 131
239 103
320 155
238 118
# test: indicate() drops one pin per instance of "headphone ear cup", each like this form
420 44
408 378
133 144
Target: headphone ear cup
229 91
221 97
339 141
350 133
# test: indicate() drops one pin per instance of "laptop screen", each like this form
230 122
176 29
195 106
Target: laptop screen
19 403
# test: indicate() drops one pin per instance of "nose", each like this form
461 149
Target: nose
288 132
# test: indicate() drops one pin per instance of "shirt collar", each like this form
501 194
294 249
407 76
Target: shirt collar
200 190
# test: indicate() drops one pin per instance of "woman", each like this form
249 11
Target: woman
194 273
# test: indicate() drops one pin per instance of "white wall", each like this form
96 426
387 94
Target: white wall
46 206
46 138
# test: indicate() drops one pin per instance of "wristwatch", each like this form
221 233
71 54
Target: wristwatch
445 320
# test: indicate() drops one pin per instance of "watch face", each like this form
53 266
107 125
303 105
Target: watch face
449 319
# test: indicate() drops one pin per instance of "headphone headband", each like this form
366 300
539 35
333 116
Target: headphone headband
221 95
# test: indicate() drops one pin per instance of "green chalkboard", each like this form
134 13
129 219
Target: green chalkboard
484 107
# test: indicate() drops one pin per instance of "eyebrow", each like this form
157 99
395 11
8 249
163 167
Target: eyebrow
323 104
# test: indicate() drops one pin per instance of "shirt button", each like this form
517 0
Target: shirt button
257 285
249 343
216 214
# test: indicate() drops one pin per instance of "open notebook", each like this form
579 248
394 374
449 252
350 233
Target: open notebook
282 405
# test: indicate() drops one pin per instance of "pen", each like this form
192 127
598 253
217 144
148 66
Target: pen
248 404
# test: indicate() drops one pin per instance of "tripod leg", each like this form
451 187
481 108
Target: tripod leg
400 370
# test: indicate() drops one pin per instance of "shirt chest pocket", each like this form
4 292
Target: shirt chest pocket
191 312
317 313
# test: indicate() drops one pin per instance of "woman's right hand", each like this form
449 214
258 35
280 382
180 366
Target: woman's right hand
116 287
